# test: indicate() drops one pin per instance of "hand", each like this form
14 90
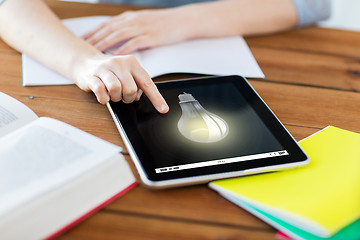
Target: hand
139 30
118 78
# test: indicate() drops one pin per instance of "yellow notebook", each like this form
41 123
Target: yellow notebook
321 198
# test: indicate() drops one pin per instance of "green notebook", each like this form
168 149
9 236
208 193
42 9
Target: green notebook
349 232
322 199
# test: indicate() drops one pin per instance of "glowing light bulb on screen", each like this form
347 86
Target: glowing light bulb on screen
199 125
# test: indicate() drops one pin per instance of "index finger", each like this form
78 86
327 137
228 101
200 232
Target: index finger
145 83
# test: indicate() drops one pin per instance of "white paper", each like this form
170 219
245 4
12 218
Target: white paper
217 56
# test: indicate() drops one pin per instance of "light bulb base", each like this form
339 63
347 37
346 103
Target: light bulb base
186 97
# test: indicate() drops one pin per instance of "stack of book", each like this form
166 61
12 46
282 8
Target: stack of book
320 201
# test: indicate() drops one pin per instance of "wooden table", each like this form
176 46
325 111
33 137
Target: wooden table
312 81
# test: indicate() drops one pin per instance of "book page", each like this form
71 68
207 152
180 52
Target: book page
217 56
13 114
42 156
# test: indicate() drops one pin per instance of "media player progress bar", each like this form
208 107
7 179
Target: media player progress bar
221 161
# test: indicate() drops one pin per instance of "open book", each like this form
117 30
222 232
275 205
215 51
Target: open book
320 201
217 56
52 175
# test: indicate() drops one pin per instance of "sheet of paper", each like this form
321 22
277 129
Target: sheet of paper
344 15
215 56
218 56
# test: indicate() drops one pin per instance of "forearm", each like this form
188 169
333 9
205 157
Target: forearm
239 17
30 27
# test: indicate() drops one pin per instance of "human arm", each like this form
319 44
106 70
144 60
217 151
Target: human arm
30 27
151 28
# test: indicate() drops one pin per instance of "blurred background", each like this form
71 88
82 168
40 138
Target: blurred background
344 14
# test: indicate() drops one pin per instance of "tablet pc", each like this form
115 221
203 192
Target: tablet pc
217 127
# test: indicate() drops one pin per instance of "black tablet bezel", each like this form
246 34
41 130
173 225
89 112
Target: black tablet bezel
296 155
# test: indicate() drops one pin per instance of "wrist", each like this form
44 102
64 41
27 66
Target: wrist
83 64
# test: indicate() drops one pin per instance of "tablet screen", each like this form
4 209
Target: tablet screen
214 125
